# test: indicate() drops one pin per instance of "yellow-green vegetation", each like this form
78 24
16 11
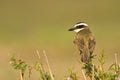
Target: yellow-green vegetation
90 70
99 73
21 66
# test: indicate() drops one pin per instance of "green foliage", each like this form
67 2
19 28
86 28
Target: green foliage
21 66
98 73
43 75
18 65
71 75
90 70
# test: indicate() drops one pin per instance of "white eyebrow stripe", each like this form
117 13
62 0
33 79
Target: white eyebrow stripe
81 24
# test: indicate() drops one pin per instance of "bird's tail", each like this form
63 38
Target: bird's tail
85 56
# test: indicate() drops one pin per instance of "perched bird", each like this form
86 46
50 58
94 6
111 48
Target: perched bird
84 40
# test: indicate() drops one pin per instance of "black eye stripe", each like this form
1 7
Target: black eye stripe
80 26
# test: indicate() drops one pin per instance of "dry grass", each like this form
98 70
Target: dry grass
90 71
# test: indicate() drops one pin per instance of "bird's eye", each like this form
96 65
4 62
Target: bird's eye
80 26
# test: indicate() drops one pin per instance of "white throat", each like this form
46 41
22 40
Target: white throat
78 30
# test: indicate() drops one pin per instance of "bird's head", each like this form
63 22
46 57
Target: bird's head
78 27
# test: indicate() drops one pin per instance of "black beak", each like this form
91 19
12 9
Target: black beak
72 29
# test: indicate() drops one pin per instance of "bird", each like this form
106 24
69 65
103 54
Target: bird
84 40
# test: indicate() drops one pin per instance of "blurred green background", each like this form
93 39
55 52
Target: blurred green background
27 25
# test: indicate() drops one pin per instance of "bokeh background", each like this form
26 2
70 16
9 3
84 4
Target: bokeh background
30 25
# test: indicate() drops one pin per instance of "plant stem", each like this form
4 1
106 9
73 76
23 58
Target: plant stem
48 65
21 76
84 75
93 72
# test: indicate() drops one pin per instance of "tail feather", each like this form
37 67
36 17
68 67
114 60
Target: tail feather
85 57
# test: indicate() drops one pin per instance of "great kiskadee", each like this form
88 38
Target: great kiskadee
84 40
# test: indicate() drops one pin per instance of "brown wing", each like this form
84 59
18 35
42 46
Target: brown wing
91 44
79 42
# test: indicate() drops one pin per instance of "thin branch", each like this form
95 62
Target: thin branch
38 54
48 65
21 76
93 72
116 58
42 68
84 75
116 63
